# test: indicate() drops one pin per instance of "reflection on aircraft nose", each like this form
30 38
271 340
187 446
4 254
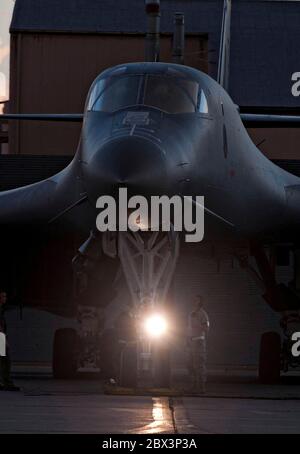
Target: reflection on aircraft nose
132 162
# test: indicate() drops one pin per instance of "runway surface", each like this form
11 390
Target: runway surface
52 406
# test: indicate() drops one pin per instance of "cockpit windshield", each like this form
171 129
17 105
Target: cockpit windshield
171 94
175 95
114 93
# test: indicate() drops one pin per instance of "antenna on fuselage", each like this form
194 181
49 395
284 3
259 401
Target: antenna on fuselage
152 46
178 39
224 56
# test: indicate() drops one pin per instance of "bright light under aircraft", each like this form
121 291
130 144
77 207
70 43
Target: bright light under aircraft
156 326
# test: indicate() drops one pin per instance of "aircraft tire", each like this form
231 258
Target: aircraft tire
270 358
64 362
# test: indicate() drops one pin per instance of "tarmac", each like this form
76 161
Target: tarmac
237 404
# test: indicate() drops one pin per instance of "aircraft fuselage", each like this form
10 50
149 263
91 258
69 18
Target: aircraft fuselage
208 152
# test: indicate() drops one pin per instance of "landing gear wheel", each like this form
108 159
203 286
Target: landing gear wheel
162 368
270 358
64 363
128 366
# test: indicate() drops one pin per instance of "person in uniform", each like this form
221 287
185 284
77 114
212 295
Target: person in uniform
6 383
197 342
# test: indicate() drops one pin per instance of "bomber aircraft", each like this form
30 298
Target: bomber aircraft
159 128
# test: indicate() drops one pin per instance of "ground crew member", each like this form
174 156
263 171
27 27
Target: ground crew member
6 383
198 330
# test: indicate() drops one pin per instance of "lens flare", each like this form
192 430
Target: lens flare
156 325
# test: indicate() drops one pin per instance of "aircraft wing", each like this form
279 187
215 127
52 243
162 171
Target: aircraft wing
252 120
27 204
43 117
46 200
293 200
42 202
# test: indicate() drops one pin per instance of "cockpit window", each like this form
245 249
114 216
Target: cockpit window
171 95
115 93
202 105
174 95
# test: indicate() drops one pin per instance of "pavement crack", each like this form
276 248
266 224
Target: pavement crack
172 410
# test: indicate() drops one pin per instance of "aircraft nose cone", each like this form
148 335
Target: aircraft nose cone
131 162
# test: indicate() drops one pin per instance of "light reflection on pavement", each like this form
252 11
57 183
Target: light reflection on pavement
162 418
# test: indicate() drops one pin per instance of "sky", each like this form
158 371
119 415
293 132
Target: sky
6 8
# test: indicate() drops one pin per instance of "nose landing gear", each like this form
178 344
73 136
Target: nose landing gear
148 260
